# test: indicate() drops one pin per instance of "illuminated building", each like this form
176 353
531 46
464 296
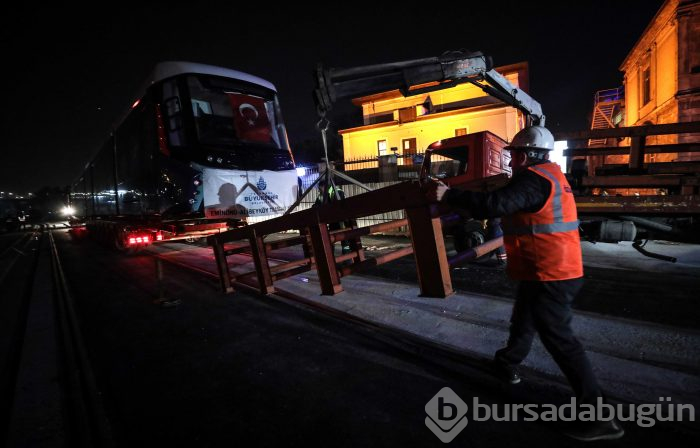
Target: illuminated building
662 76
410 124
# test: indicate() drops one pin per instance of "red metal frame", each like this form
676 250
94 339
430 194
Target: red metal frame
423 218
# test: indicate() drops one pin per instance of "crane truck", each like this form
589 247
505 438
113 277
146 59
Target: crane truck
670 215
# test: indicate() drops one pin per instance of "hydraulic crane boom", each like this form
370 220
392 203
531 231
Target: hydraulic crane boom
450 69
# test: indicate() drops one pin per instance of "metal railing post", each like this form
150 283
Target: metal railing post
221 264
325 259
262 267
430 253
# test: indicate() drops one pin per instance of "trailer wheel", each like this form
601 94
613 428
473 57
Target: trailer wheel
133 250
119 241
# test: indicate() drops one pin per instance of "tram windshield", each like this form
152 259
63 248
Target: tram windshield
227 112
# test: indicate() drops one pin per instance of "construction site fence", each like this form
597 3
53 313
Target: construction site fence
351 190
374 172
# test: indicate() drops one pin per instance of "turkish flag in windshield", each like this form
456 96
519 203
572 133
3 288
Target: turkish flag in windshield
250 118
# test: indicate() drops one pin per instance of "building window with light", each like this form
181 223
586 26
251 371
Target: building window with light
646 84
460 131
381 147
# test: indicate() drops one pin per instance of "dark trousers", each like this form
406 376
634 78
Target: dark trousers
345 244
494 230
545 308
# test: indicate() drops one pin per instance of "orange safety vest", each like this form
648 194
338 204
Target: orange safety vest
545 245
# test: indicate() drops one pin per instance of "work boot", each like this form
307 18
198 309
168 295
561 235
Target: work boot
505 372
597 430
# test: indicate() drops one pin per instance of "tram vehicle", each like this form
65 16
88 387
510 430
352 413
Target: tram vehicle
202 149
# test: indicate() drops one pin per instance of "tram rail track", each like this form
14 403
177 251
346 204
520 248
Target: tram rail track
43 332
88 425
12 253
14 307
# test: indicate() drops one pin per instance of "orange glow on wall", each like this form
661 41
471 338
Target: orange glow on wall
660 86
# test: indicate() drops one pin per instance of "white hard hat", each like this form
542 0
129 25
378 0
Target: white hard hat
535 137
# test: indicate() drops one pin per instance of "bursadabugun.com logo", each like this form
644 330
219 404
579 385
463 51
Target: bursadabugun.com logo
448 414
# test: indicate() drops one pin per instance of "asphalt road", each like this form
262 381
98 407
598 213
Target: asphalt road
17 266
224 370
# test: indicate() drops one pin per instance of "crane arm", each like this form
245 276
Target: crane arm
448 70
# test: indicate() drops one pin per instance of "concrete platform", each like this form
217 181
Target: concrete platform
635 361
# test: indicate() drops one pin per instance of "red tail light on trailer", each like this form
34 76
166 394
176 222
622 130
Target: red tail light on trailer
139 239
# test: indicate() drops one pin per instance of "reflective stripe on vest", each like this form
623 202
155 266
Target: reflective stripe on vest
556 200
536 229
558 216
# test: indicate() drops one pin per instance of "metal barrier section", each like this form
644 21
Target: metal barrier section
425 221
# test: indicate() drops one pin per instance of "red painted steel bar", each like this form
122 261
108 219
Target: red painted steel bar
281 267
325 261
345 257
371 262
429 250
340 235
287 242
242 247
262 267
476 252
291 272
222 266
422 218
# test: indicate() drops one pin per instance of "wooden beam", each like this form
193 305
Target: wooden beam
631 131
637 152
675 205
624 150
643 181
650 168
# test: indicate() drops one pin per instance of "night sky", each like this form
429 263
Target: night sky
69 73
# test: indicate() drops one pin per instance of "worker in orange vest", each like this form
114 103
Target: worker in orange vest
540 233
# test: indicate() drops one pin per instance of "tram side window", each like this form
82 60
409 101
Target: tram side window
172 112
